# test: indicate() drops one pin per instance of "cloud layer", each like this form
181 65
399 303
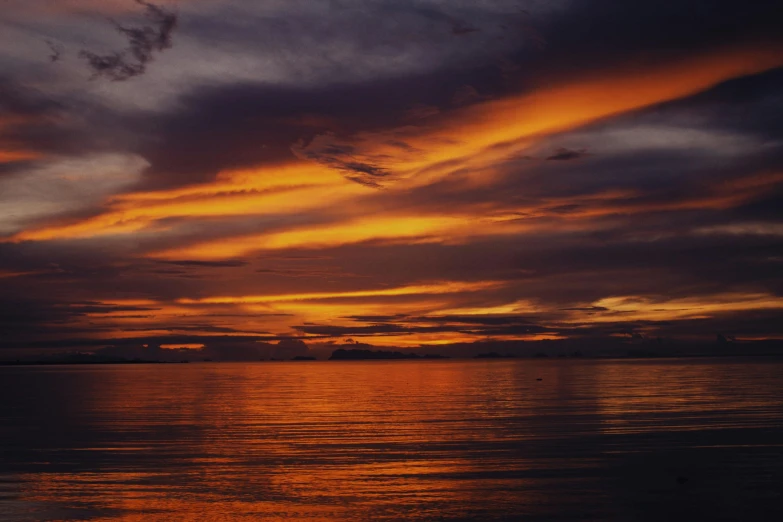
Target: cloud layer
402 173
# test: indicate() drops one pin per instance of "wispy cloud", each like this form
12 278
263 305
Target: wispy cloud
143 43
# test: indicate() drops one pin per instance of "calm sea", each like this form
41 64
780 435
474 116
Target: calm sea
657 440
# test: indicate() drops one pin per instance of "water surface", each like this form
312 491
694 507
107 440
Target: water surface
698 439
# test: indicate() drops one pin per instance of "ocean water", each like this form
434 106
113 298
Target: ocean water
608 440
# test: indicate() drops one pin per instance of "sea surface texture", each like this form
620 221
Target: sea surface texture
621 440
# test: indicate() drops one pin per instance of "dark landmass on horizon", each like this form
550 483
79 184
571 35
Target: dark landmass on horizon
82 358
65 362
494 355
342 354
296 350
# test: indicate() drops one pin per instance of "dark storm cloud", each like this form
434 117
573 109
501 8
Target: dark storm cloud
143 43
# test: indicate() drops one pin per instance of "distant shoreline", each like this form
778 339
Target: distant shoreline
420 359
67 363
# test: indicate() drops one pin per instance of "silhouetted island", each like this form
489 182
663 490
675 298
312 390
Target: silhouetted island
342 354
303 358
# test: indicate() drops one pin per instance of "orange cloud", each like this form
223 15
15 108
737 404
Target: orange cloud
185 346
474 222
281 189
7 274
639 308
390 227
241 315
470 139
482 128
11 154
443 287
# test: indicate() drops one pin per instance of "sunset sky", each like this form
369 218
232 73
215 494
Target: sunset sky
224 173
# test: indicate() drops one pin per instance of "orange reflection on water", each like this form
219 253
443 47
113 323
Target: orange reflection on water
402 440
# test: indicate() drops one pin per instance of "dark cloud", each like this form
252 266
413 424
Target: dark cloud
737 324
488 320
35 119
564 154
480 325
593 32
143 43
343 331
466 95
215 127
242 125
53 127
46 322
342 158
369 105
56 50
457 25
749 105
460 27
229 263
